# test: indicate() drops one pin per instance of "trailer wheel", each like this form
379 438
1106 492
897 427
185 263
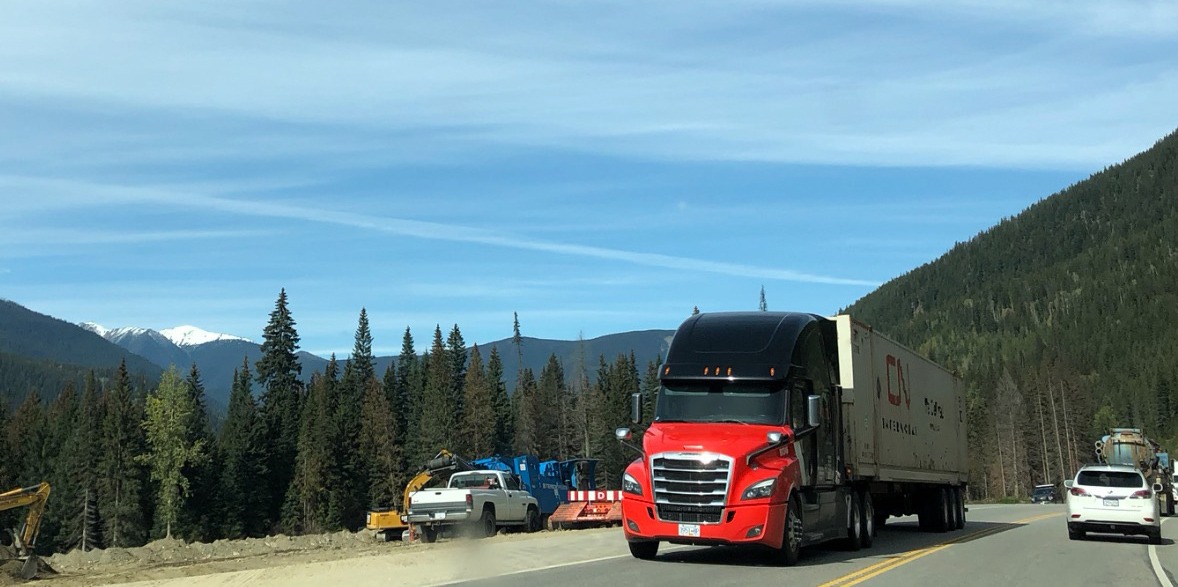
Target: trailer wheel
869 518
854 539
960 503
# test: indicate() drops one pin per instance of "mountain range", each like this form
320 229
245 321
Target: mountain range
43 352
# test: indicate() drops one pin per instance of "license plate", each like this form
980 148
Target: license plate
1112 503
689 530
439 515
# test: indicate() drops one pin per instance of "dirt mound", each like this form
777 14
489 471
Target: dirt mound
170 551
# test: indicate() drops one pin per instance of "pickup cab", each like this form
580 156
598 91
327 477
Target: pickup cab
479 501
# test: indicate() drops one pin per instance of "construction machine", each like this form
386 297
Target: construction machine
24 541
1130 446
392 522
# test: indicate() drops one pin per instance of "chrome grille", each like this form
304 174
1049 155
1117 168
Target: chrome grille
691 487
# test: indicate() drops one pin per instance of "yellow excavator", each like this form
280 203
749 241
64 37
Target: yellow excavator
390 521
24 541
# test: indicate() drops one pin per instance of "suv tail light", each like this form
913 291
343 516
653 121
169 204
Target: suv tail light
1077 491
1144 493
469 500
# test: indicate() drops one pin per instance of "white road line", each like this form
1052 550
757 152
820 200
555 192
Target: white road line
1157 566
556 566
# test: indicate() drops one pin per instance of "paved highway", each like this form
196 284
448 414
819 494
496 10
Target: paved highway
1001 545
1005 545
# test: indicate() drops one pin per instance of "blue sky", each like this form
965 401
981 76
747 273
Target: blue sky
596 167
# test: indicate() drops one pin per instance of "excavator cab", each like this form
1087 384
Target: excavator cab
25 540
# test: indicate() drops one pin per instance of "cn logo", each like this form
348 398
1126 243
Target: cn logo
897 383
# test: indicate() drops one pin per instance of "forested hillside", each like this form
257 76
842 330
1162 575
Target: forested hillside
1063 321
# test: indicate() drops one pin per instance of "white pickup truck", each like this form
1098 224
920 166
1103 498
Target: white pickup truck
482 501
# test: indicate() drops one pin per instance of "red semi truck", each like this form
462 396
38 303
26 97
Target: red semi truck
782 430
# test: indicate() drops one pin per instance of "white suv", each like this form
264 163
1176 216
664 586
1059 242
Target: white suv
1114 499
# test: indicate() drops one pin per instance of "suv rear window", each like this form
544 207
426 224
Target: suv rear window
1110 479
1043 490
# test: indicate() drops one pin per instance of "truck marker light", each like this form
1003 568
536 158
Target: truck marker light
730 371
772 371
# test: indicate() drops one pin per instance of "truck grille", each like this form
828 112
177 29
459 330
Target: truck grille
691 487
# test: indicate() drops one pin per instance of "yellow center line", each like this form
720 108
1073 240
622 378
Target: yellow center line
888 564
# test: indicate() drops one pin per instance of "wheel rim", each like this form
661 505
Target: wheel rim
869 513
856 523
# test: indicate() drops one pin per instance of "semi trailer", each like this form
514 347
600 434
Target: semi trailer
780 430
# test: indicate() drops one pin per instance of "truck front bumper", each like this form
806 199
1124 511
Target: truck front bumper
760 524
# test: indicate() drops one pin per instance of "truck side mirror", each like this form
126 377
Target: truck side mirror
1157 488
1067 484
636 408
622 434
813 407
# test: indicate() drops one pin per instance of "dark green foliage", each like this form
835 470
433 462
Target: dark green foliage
395 399
198 519
1073 301
501 403
349 492
121 479
437 408
410 387
308 506
380 455
241 506
456 351
278 373
551 411
478 424
524 400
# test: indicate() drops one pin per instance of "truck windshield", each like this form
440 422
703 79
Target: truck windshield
722 401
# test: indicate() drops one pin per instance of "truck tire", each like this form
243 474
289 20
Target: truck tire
1170 505
960 503
487 525
869 518
645 550
428 535
791 541
854 537
532 520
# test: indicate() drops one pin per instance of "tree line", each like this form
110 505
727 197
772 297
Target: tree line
130 462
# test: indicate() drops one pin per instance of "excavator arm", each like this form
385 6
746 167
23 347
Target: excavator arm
34 497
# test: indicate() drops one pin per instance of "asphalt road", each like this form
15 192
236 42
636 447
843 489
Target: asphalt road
1000 545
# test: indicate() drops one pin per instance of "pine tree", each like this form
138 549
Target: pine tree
550 410
380 454
410 386
62 417
395 400
308 507
120 481
27 435
80 522
197 519
527 440
437 410
278 373
456 351
243 463
349 494
501 403
478 419
169 422
764 307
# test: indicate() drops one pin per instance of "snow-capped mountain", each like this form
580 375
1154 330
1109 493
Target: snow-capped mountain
190 336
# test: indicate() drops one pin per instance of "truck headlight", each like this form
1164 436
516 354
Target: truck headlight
630 484
760 489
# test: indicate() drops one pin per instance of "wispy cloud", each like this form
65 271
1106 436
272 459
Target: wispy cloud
719 81
413 228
